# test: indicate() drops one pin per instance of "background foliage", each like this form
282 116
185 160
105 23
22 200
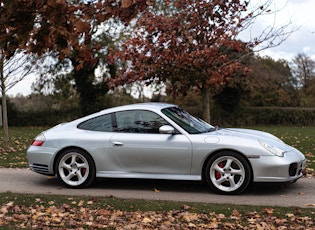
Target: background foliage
269 95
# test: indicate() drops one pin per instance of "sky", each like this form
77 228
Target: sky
298 13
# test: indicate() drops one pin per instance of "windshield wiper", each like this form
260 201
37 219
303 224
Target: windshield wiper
209 130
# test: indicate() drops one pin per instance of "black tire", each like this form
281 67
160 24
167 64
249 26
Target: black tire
75 168
228 173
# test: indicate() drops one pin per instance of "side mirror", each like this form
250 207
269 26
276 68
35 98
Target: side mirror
166 129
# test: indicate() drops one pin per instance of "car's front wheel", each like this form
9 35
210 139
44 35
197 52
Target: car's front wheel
228 173
75 168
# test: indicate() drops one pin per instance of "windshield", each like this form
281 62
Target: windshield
189 123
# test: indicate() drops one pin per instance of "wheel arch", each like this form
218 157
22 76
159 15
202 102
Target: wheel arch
65 149
204 166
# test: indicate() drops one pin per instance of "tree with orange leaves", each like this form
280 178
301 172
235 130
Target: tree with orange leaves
62 28
66 30
194 44
38 26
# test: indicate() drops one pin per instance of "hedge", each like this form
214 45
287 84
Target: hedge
240 117
42 118
282 116
266 116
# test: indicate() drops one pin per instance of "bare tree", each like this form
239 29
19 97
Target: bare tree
12 71
303 68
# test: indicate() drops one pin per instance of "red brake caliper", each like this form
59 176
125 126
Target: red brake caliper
83 171
218 174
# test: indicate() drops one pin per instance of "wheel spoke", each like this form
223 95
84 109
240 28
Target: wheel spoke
82 165
220 181
66 166
218 168
228 164
232 182
237 172
73 159
79 175
69 176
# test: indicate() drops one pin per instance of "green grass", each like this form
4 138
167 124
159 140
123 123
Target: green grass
20 139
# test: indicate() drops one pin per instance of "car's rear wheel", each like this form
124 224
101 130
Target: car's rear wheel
75 168
228 173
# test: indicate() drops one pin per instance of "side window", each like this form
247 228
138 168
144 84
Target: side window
101 123
139 121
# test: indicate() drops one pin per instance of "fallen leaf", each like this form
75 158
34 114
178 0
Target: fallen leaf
289 215
146 220
310 205
185 207
80 203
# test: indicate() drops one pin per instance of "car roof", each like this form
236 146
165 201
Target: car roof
152 105
146 105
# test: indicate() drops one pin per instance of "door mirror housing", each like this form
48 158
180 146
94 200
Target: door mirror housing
166 129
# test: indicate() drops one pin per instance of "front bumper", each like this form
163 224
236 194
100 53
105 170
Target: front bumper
288 168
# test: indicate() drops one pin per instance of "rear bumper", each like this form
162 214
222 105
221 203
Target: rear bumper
40 159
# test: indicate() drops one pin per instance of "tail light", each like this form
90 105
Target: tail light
39 140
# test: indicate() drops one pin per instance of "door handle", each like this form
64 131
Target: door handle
117 143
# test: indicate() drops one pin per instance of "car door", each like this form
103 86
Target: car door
140 148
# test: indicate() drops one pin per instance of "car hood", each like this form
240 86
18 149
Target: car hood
250 133
254 135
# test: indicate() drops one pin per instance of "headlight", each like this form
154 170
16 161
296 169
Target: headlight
274 150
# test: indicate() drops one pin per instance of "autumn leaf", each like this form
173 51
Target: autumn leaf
126 3
80 203
235 215
156 190
289 215
269 211
186 207
146 220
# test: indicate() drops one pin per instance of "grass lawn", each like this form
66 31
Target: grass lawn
26 211
20 139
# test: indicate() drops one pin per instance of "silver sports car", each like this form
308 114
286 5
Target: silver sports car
161 141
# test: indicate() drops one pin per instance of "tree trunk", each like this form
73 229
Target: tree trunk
4 109
205 93
5 122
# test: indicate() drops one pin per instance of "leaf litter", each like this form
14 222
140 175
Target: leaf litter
81 215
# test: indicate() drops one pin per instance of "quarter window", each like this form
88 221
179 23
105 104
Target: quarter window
101 123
